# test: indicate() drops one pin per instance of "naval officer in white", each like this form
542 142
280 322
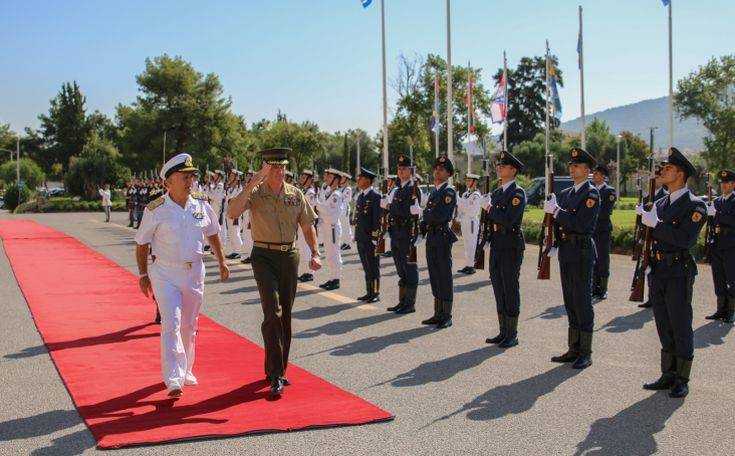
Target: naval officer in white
175 226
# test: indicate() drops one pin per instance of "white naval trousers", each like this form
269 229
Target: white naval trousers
247 236
234 239
331 235
179 293
346 236
304 253
470 231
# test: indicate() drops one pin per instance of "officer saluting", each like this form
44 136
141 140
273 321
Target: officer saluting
439 239
676 222
367 231
505 207
276 209
603 229
469 205
575 217
722 249
175 226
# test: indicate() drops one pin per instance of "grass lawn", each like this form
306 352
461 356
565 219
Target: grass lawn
620 218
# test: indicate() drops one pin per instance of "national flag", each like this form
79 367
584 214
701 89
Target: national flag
497 103
666 2
366 3
554 93
579 50
434 121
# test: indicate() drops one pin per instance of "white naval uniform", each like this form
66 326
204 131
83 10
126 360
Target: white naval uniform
177 236
234 239
304 249
345 216
330 208
469 205
217 200
247 235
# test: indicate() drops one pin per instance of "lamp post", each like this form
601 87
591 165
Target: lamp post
617 185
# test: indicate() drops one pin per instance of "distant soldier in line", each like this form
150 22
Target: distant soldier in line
505 206
289 177
402 206
367 231
722 249
439 239
217 200
247 232
330 208
344 187
676 221
130 199
384 203
603 230
575 217
307 187
660 192
469 205
234 238
141 200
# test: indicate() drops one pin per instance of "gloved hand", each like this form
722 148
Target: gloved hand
416 209
384 202
550 205
639 210
650 218
487 202
711 210
552 252
419 240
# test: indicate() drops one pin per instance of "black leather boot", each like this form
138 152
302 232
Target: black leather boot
668 373
602 290
401 299
446 315
499 338
681 384
584 360
511 333
436 318
409 303
729 316
573 352
721 305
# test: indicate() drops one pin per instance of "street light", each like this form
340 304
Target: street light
617 186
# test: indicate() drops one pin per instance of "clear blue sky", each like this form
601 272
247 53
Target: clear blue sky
320 59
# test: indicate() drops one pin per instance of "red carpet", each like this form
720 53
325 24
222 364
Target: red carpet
95 323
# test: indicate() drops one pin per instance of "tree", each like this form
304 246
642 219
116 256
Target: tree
30 173
305 139
7 141
99 163
65 129
709 95
526 114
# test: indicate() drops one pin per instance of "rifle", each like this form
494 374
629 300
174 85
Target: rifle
643 258
380 247
638 225
484 219
546 242
709 233
415 196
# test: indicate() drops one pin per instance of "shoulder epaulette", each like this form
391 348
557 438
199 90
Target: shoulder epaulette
155 203
200 196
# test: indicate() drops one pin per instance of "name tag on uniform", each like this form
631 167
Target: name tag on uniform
198 215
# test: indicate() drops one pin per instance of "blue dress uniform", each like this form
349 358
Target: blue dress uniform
401 237
439 239
681 216
507 245
367 231
722 252
602 237
574 224
660 193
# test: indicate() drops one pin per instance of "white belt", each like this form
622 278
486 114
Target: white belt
185 265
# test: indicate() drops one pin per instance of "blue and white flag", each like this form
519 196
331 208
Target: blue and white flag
554 93
666 2
366 3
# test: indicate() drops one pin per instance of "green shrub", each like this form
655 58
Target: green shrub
30 173
16 195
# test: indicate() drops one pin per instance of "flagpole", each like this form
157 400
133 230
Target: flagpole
436 118
547 98
671 83
450 145
581 76
469 116
507 104
385 90
357 164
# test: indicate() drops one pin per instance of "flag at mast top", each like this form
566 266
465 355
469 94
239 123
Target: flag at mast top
666 2
366 3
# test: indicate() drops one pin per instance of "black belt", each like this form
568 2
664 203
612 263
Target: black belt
400 222
437 228
575 238
670 257
500 229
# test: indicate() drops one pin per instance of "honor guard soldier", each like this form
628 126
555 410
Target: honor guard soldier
330 209
234 238
602 233
141 200
130 195
384 203
469 205
175 226
439 236
575 216
676 221
217 200
276 209
660 192
367 231
345 219
722 248
505 206
307 187
401 207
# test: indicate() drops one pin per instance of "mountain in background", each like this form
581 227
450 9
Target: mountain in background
637 117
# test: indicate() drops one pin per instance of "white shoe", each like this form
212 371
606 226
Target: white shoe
190 380
175 390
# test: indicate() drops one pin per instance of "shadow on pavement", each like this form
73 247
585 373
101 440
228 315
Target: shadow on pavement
631 432
628 322
343 327
551 313
376 343
713 333
321 312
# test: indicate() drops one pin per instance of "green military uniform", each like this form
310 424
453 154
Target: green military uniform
274 219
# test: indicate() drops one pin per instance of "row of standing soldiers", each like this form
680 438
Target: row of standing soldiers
138 193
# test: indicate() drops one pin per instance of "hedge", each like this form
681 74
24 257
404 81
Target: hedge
67 205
